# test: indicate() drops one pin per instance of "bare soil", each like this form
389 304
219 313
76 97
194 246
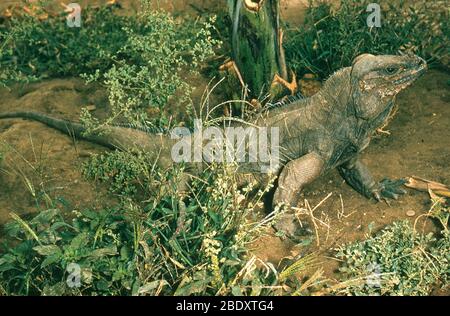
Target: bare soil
40 159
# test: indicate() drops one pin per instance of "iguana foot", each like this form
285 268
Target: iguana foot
389 189
288 226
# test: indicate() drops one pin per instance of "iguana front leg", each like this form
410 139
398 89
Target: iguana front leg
294 176
359 178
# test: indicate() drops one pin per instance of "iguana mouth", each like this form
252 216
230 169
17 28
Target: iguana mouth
413 74
407 78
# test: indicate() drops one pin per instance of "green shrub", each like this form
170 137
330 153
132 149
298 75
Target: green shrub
168 244
153 66
143 61
125 172
35 49
331 38
397 261
48 244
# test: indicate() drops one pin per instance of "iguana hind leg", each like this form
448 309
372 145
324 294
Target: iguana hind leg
358 176
294 176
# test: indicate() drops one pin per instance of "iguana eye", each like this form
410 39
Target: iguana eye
391 70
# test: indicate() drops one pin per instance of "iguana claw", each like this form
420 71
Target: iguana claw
389 189
289 227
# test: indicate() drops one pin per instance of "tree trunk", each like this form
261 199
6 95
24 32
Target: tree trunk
258 54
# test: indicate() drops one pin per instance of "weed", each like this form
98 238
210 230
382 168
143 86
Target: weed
397 261
34 49
123 170
153 66
331 38
170 244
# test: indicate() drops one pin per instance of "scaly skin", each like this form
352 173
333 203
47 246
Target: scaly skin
326 131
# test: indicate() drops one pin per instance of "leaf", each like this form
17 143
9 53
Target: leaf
256 288
45 217
51 259
214 216
124 252
58 289
57 225
147 288
6 265
79 241
101 252
305 242
47 250
86 274
90 214
7 258
103 285
193 287
236 291
135 287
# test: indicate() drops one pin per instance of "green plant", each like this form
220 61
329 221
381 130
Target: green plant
152 67
171 243
440 210
96 241
35 49
126 172
331 37
397 261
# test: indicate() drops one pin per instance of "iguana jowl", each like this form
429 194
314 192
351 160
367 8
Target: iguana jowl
325 131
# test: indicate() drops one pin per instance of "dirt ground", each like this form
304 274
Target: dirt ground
40 159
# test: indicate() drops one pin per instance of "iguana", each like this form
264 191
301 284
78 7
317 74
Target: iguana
325 131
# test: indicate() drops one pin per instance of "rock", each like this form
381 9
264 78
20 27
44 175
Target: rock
410 213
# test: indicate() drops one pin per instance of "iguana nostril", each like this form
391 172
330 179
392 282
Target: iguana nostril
421 62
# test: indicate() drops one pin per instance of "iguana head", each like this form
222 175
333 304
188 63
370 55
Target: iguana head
376 80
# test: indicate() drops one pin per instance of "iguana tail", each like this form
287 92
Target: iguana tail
114 137
65 126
